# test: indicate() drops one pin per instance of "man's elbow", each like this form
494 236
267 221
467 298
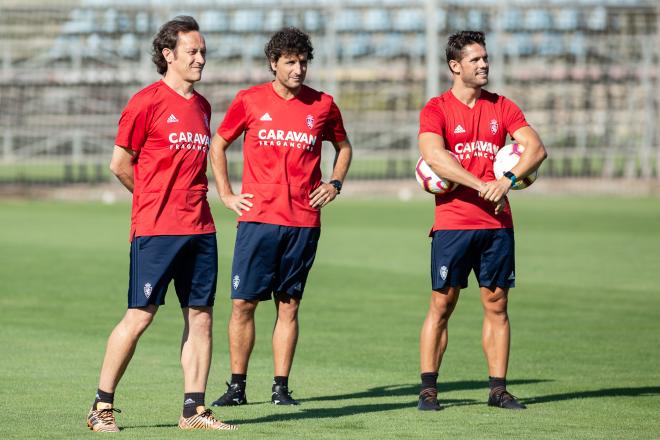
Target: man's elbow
542 154
115 168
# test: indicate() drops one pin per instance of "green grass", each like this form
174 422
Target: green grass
585 318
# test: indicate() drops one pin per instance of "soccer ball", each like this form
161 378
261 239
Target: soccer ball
507 158
431 182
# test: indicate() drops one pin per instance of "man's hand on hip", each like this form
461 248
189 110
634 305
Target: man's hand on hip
237 202
322 195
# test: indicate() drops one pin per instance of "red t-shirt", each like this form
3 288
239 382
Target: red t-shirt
171 137
282 150
475 135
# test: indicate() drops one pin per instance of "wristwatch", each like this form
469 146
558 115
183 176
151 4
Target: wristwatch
336 184
510 175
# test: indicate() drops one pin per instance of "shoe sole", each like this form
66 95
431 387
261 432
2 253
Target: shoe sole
228 404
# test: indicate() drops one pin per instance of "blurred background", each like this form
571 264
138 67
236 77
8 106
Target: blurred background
585 72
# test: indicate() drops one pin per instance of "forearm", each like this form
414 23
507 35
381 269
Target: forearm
530 160
121 166
125 176
342 162
534 152
221 174
432 149
218 156
444 165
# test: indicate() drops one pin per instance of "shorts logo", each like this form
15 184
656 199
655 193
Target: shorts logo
310 121
493 126
147 290
236 281
512 276
443 272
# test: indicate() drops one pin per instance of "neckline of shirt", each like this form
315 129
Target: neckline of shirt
464 105
271 86
190 100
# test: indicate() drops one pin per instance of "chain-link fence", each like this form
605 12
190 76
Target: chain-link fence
586 73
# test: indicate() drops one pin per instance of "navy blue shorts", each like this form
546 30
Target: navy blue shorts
489 252
272 259
190 260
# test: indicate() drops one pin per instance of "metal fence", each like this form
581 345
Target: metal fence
586 74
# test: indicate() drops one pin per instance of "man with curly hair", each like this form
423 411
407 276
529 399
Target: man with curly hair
284 124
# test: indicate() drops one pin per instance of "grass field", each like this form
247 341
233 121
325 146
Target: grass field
585 319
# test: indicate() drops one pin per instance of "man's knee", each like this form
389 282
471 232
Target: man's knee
137 320
495 301
287 307
200 319
243 310
443 302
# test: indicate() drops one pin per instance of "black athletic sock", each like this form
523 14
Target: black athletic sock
281 381
102 396
496 384
240 379
190 403
429 380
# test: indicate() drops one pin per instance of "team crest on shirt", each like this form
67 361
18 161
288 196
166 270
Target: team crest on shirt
236 281
443 272
147 290
309 120
206 122
493 126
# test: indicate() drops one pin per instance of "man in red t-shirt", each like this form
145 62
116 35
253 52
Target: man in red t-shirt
160 156
473 228
284 123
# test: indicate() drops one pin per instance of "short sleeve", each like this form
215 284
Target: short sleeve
334 130
513 117
235 119
132 128
431 119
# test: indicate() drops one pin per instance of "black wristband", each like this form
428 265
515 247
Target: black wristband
511 176
336 184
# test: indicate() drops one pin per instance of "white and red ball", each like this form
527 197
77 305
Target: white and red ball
506 159
431 182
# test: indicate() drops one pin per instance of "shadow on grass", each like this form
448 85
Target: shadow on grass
332 413
379 392
413 390
303 413
607 392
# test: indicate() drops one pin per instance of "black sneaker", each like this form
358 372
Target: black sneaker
428 400
282 396
234 396
505 400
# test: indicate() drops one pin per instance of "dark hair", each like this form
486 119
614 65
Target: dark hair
288 41
168 37
459 40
